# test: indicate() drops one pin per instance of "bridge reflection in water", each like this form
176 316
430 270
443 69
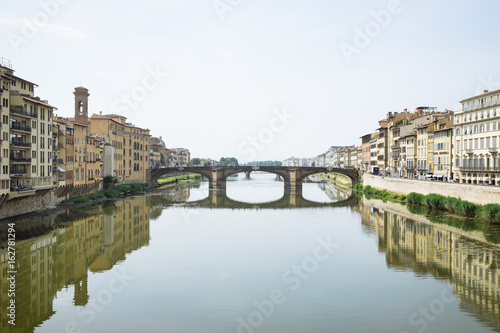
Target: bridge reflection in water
217 198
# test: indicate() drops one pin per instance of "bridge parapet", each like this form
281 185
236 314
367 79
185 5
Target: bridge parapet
217 176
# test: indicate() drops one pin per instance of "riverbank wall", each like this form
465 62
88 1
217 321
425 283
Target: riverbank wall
25 202
479 194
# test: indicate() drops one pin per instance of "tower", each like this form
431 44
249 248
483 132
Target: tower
81 105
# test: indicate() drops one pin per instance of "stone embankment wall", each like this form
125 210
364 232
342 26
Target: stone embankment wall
479 194
43 199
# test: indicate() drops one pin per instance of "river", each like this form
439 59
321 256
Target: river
253 258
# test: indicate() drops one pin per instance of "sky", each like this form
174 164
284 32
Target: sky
254 79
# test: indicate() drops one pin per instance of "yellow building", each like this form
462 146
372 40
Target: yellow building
442 135
131 146
26 137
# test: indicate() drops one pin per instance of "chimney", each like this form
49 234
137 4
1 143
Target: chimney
485 91
100 113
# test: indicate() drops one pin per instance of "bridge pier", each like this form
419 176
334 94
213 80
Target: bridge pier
218 181
247 174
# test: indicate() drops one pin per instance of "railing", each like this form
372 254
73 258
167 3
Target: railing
20 159
60 161
469 150
23 112
22 188
19 127
18 171
493 150
20 144
479 168
60 145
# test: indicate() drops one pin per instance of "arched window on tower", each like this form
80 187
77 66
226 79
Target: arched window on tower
80 108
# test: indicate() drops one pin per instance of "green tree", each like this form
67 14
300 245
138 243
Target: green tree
195 161
207 164
227 161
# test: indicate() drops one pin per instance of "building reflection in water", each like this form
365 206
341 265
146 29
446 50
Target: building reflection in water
465 259
62 257
335 193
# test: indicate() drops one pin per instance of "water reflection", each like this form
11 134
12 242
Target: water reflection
62 256
218 198
62 250
413 243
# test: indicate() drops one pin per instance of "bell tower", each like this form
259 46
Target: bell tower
81 105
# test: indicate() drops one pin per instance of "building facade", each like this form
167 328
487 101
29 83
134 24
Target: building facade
26 137
477 137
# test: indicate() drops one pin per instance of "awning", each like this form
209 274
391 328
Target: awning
456 177
467 178
60 169
485 179
473 178
439 176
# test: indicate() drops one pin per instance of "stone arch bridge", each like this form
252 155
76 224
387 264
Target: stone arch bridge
217 176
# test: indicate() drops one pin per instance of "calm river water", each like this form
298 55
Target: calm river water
253 258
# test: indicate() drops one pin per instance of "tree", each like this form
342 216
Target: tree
195 161
227 161
207 164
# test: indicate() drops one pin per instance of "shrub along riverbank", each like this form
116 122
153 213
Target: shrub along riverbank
182 178
116 191
487 213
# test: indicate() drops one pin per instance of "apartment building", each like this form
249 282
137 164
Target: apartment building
364 162
442 149
26 136
182 157
158 153
408 145
382 149
477 137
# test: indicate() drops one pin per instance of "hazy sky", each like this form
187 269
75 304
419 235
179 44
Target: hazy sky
255 79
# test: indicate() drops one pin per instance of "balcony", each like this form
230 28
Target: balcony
479 168
493 150
20 160
469 150
18 110
394 147
60 145
18 172
20 128
20 144
60 161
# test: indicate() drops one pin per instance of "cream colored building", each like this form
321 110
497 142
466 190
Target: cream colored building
26 137
477 138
